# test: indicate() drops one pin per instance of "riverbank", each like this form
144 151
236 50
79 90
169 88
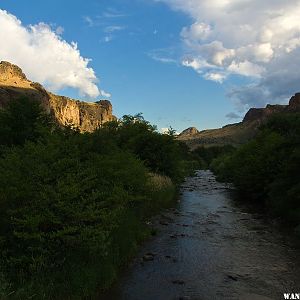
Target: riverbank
266 169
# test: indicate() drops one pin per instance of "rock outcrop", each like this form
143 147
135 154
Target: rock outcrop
239 133
189 132
86 116
262 114
294 104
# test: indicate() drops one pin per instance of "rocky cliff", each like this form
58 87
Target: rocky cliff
191 131
239 133
262 114
85 116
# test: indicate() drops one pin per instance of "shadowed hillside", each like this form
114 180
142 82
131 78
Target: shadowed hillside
239 133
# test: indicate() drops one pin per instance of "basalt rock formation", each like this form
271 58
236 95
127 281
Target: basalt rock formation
238 133
86 116
262 114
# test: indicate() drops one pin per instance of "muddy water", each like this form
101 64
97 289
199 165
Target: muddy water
210 247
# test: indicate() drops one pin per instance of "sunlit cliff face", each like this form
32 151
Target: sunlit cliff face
68 112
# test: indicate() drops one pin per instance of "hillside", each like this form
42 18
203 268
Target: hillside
238 133
86 116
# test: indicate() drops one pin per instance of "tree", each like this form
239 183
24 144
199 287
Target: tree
22 120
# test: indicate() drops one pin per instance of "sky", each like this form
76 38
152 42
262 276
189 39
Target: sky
181 63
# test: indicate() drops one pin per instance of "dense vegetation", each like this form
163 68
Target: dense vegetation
267 168
73 206
205 155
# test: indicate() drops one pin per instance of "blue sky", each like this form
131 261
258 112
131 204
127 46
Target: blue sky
169 60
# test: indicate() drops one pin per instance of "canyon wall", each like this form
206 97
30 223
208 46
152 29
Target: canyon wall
86 116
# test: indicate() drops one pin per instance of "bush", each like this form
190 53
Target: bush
57 205
72 206
22 120
161 153
267 168
205 155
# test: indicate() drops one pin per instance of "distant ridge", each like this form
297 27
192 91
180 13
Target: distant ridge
68 112
238 133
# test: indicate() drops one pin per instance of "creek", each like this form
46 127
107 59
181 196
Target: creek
211 246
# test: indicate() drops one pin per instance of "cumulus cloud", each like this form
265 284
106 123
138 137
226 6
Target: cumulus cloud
44 56
164 130
59 30
198 64
105 94
218 77
246 68
167 131
281 81
197 31
259 40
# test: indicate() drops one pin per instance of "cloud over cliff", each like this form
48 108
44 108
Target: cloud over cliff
44 56
258 40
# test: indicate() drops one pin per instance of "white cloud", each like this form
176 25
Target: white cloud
113 28
59 30
107 16
197 32
162 59
105 94
197 64
251 38
167 131
215 53
279 83
246 68
164 130
165 60
89 21
44 56
218 77
163 55
112 13
110 32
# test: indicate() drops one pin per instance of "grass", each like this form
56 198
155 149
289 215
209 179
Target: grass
162 192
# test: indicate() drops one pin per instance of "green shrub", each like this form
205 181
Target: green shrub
205 155
161 153
22 120
58 205
267 168
72 206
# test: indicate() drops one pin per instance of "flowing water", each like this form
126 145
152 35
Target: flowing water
211 247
